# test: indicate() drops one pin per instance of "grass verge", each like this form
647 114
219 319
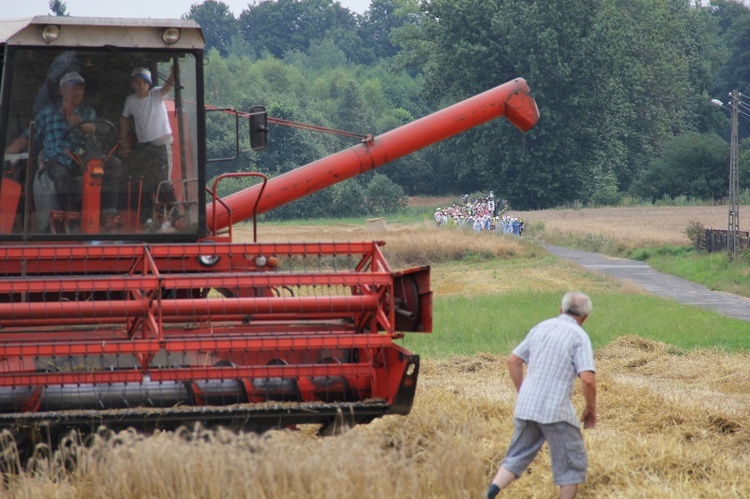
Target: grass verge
713 270
497 323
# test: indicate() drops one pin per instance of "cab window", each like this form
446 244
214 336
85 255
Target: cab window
100 143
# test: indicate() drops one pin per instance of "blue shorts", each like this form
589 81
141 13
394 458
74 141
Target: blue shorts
566 447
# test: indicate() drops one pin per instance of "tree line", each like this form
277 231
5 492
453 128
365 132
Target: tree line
624 89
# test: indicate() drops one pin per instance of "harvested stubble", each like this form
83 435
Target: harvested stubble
669 426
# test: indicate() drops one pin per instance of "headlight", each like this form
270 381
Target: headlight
170 35
50 33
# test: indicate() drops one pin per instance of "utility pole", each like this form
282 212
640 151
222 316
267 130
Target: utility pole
734 209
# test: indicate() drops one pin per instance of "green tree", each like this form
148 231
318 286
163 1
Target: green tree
217 22
347 199
376 26
382 196
58 8
735 74
692 165
278 26
272 26
614 81
550 45
290 148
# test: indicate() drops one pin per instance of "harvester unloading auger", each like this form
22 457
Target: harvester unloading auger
149 315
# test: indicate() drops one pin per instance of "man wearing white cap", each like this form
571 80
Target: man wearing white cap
52 123
153 151
49 92
147 108
52 126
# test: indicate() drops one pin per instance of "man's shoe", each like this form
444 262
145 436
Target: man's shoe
492 491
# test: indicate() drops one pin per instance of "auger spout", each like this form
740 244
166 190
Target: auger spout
512 100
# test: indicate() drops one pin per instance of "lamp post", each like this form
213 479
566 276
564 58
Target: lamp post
733 225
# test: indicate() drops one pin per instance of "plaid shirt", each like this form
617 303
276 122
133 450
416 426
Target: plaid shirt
555 351
51 128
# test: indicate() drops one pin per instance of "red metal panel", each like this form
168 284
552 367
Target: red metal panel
278 343
185 374
54 284
275 371
110 258
52 348
69 378
10 194
161 251
60 349
186 308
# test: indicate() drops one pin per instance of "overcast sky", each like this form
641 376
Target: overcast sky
157 9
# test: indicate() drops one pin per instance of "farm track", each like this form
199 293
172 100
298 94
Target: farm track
658 283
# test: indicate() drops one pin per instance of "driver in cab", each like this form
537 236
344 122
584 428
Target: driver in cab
62 131
52 123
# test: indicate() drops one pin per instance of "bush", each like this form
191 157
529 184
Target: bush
382 196
606 196
347 200
696 233
691 166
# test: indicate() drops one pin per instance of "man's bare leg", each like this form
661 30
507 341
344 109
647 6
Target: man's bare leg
503 478
568 491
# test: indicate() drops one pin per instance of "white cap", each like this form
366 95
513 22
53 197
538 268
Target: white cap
142 73
71 77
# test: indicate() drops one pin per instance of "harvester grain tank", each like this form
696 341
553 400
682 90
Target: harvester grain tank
149 315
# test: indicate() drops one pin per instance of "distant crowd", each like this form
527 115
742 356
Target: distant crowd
480 214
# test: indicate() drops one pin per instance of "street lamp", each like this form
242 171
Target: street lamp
733 225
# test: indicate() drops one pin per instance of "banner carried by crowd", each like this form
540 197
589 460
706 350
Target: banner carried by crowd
480 214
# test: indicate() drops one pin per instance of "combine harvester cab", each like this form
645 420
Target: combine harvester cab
132 308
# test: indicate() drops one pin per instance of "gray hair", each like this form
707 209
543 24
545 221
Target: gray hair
576 303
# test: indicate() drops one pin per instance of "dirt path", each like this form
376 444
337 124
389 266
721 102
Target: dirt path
657 283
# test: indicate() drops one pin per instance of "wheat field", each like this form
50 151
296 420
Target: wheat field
672 423
653 225
636 225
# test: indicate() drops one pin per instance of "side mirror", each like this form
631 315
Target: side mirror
258 128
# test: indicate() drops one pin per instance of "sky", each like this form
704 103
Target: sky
156 9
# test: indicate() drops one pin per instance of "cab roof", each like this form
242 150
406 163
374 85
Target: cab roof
100 32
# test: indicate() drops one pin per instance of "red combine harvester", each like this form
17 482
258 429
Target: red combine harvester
127 308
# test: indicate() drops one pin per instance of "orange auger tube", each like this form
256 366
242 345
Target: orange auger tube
512 100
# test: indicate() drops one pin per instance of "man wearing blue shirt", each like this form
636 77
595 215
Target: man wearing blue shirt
52 123
555 351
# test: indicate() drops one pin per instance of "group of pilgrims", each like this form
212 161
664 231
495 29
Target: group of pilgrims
480 214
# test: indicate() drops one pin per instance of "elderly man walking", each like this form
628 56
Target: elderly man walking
556 351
